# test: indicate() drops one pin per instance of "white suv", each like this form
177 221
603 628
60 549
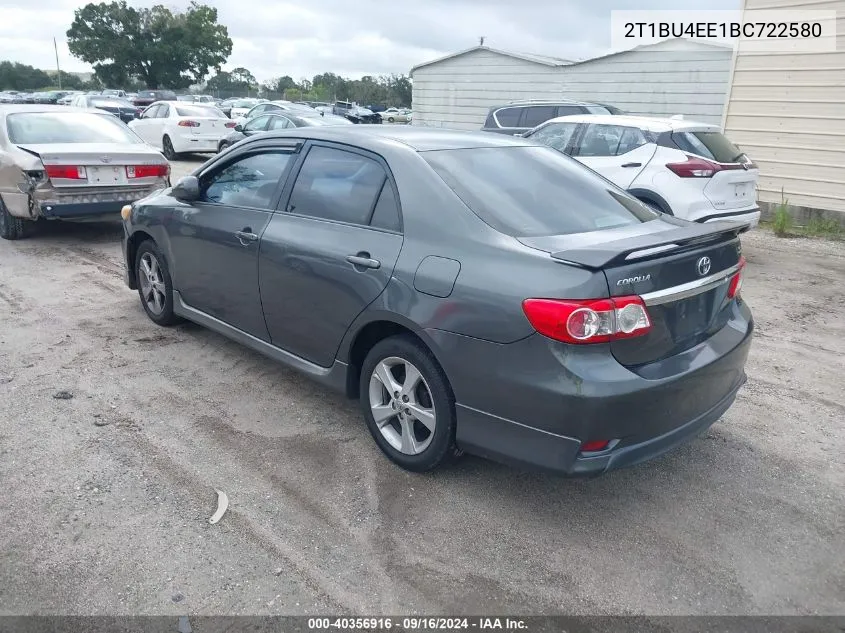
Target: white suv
683 168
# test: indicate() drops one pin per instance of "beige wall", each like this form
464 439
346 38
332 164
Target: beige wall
787 112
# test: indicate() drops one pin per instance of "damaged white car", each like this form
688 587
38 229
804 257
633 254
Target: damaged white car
67 163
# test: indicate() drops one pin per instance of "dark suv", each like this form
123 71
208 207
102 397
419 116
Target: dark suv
146 97
517 117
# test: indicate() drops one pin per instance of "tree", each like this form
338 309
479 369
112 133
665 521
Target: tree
161 47
15 76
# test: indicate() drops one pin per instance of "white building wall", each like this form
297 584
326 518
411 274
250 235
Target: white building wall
787 112
664 79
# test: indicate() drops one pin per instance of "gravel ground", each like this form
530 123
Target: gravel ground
108 492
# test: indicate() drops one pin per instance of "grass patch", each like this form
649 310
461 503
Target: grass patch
782 220
818 227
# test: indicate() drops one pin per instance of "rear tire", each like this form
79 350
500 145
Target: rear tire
155 287
13 227
390 119
167 149
416 413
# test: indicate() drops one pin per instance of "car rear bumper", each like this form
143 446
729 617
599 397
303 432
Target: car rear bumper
534 402
751 217
87 203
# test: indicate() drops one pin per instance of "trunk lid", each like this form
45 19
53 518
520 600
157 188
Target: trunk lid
213 128
681 270
105 163
732 188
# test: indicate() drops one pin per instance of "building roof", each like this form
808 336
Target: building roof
545 60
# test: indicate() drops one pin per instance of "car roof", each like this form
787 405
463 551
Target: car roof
651 124
418 138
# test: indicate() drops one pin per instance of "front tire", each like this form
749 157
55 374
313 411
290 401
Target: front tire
390 119
12 227
408 404
167 149
154 284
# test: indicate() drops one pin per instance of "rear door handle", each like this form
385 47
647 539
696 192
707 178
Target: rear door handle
632 165
245 236
362 260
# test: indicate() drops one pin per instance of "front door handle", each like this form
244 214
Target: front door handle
246 236
363 260
632 165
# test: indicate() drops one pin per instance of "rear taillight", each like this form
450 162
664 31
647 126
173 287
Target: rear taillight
147 171
736 281
229 124
65 172
188 124
588 321
694 167
594 446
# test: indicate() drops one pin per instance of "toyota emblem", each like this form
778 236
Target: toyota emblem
703 266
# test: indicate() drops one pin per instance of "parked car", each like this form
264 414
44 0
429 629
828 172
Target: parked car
396 115
518 117
682 168
148 97
278 107
280 121
178 127
111 92
239 107
60 162
196 98
121 108
48 96
475 292
68 98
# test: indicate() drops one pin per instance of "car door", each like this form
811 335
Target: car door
215 240
329 251
617 152
144 125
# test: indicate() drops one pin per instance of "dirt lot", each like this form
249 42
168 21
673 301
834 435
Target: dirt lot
108 494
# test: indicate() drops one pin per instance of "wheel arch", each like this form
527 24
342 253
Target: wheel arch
132 243
648 196
369 331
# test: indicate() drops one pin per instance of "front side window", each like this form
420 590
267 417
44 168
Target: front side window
535 115
163 111
249 181
555 135
30 128
610 140
280 123
533 191
337 185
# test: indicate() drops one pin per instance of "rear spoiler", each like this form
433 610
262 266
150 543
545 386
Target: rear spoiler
605 254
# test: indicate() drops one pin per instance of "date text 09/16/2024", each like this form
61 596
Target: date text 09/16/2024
417 624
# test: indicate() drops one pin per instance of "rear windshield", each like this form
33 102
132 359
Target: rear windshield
111 102
199 110
147 94
712 145
31 128
533 191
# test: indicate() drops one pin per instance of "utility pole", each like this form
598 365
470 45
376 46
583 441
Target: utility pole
58 70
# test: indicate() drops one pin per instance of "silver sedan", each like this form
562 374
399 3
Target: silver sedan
59 162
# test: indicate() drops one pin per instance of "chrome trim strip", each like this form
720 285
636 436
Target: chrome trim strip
689 289
650 251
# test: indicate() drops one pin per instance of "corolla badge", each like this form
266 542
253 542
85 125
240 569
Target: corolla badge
703 266
633 280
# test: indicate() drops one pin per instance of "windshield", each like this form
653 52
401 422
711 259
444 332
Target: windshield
33 128
199 110
147 94
185 98
533 191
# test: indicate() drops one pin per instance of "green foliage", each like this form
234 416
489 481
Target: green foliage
163 48
821 227
782 223
389 90
14 76
238 82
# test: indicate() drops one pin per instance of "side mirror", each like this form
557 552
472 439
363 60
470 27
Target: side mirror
187 189
239 128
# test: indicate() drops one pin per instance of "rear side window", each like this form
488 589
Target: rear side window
337 185
532 191
508 117
386 213
713 145
568 110
535 115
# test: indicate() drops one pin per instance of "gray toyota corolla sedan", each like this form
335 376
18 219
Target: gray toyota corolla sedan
476 292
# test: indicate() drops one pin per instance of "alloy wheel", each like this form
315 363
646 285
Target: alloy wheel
402 406
152 283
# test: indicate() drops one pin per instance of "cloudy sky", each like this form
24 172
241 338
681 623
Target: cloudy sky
301 38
